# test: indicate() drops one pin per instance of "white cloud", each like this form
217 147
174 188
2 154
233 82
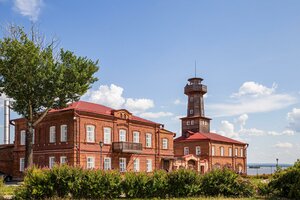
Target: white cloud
241 120
107 95
178 117
227 129
252 98
155 115
284 145
112 96
254 89
294 119
177 102
29 8
138 105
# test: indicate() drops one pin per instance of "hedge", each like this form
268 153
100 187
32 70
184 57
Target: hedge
74 182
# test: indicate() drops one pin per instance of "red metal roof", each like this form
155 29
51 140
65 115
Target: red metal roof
95 108
207 136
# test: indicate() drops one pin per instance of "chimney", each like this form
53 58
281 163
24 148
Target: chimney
6 122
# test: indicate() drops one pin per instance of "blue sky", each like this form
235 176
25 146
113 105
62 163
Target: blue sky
246 51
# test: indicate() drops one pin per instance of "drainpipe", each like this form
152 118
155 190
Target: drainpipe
6 122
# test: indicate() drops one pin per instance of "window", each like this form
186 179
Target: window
107 163
122 162
186 151
149 165
90 162
22 164
136 137
191 99
52 137
242 153
192 122
107 135
222 151
90 133
191 111
213 150
188 123
230 151
148 139
165 143
63 133
136 165
122 135
198 150
22 137
236 152
63 160
51 161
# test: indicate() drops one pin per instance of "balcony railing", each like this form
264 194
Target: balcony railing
127 147
195 88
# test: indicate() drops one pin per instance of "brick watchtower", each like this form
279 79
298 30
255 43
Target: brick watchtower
195 120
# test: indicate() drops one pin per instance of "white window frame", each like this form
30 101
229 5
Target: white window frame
107 163
90 162
188 122
63 133
122 135
136 165
221 151
149 165
136 137
22 137
236 152
63 160
192 122
191 111
213 151
52 134
165 143
148 140
22 164
122 164
186 151
230 151
90 133
51 162
107 135
198 150
242 152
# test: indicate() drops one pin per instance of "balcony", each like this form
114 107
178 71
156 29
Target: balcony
127 147
195 88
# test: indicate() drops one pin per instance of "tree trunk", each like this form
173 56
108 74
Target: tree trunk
28 146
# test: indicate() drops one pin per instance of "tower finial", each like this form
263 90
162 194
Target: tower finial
195 68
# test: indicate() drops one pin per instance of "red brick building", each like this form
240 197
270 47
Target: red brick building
72 135
197 147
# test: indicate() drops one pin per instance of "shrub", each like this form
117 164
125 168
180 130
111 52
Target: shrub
98 184
226 183
286 183
37 185
159 184
183 183
136 185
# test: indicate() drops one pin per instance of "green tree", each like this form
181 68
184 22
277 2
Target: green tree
38 79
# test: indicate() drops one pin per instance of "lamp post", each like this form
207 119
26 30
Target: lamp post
101 145
277 163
